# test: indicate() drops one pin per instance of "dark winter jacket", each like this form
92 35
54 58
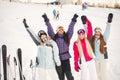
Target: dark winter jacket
62 45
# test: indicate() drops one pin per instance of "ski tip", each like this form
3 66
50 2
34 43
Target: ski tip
3 46
19 50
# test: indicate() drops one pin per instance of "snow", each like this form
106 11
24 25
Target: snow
14 34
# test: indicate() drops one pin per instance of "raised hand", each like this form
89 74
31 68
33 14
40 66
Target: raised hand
45 17
25 24
75 17
110 17
83 18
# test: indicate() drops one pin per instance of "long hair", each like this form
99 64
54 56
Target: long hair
88 46
65 37
102 44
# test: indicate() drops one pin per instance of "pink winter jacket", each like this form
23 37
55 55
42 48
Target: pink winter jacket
75 48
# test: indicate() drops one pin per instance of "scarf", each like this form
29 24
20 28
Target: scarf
88 46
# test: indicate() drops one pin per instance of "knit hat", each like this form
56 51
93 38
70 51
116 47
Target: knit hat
59 28
41 32
98 29
81 31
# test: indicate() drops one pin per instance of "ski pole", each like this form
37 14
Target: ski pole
31 66
15 64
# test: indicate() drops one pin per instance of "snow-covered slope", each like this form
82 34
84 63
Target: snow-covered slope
14 34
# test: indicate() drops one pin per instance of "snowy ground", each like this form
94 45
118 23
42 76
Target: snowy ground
14 35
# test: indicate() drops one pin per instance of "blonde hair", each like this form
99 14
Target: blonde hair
88 46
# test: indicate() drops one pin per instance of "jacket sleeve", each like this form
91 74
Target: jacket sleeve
106 34
56 54
76 56
50 30
71 29
88 29
34 37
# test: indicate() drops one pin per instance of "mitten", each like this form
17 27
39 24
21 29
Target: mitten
59 68
25 24
74 17
110 16
37 63
59 72
83 18
45 17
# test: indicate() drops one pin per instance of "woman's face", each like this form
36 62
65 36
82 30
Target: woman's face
97 34
43 38
81 36
61 31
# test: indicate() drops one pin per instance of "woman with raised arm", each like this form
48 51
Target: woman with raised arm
99 45
48 54
62 39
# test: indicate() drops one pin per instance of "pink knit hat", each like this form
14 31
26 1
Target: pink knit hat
60 28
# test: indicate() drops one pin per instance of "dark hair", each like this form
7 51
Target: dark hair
65 37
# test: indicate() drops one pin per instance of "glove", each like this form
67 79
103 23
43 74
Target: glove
83 18
74 17
25 24
76 67
59 68
45 17
37 63
110 16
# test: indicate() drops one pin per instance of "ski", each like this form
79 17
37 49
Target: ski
4 57
0 66
9 69
19 56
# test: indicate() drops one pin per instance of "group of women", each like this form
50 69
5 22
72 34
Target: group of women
90 51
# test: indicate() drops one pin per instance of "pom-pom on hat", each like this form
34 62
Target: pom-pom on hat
42 32
81 31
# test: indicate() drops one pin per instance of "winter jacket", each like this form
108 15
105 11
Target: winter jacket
97 52
82 52
84 44
48 56
106 34
62 45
